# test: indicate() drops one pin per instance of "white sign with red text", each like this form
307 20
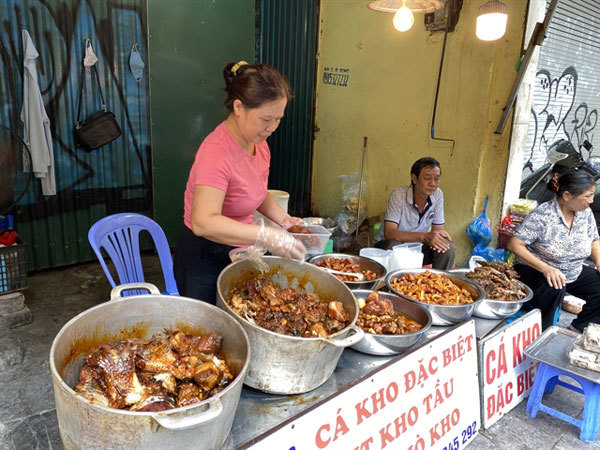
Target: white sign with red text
428 399
506 373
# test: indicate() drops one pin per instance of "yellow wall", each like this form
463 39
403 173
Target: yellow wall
390 97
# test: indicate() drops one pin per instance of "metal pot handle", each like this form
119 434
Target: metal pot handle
115 293
347 341
178 422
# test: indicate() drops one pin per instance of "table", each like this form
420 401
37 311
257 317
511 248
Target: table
259 412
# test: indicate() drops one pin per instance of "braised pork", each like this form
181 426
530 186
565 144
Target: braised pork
150 375
287 311
377 316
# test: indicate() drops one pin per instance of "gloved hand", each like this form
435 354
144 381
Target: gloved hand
280 242
289 221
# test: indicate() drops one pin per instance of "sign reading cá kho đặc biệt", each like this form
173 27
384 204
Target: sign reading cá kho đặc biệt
426 399
506 373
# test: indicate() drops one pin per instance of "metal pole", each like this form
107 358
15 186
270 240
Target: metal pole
362 170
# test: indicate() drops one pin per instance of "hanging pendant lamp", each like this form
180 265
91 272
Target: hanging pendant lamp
416 6
403 10
491 20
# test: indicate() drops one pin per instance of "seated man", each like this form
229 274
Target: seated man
413 210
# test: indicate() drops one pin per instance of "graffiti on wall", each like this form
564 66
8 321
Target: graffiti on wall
555 116
117 175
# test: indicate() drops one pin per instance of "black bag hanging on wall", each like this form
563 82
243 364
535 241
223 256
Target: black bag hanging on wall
101 127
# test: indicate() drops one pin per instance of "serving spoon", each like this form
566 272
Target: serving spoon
359 276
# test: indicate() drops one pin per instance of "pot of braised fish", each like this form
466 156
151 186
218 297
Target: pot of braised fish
148 371
298 318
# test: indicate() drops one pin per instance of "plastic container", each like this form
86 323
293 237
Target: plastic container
282 198
327 222
13 268
406 256
316 241
378 254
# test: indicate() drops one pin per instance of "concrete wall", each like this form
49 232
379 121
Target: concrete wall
389 97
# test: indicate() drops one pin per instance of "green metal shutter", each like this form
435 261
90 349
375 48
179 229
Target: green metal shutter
287 39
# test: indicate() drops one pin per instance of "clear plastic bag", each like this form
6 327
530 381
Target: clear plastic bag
351 193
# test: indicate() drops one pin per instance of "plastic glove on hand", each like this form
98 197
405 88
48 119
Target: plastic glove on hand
280 243
289 221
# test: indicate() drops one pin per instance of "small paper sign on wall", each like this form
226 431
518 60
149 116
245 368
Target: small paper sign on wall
336 76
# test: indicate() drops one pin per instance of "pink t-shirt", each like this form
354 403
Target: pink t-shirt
223 164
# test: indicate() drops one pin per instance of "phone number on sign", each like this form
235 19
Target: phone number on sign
466 435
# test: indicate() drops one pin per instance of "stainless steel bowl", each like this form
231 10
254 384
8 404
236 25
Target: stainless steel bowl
501 309
443 315
496 309
363 263
392 344
326 222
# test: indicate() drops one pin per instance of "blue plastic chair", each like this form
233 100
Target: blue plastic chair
119 234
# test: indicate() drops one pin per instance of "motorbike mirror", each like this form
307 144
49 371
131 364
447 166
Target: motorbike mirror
555 156
593 163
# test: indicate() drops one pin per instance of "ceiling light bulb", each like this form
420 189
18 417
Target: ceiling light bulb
403 19
491 21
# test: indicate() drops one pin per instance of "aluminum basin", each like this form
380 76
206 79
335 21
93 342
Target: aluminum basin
391 344
363 262
501 309
443 315
496 309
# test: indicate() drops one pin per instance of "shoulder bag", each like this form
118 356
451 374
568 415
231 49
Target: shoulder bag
101 127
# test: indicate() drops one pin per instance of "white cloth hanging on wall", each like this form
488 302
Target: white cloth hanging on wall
37 134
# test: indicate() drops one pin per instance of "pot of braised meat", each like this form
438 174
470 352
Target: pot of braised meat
148 371
298 317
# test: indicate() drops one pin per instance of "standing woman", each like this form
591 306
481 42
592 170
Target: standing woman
228 182
553 242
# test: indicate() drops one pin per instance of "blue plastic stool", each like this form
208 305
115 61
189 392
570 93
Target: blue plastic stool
556 315
546 380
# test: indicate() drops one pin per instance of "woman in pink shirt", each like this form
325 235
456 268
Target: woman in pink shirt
228 182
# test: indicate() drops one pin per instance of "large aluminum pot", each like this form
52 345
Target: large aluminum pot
203 425
443 315
284 364
363 262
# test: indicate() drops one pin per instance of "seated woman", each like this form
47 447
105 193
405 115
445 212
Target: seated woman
553 242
